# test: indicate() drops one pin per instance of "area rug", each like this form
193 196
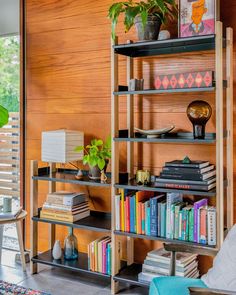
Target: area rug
12 289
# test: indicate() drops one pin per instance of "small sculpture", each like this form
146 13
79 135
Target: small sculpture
57 252
103 177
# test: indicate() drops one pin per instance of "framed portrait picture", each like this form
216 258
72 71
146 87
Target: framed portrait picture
197 17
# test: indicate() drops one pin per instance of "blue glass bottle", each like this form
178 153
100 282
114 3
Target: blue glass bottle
70 246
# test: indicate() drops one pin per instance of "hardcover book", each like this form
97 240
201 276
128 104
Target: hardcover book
197 205
192 164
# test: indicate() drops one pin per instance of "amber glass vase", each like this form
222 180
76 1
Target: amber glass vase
199 113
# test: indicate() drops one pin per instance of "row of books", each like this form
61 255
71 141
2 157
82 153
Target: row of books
157 264
165 215
65 206
193 175
99 255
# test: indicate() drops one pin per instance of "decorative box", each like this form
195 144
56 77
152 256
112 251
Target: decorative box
58 146
185 80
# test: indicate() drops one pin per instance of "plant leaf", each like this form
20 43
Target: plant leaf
79 149
101 163
4 116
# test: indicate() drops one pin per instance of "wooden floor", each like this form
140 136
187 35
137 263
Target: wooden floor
57 282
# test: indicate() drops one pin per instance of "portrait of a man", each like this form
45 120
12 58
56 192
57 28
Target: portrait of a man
197 17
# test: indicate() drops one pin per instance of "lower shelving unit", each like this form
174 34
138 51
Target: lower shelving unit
79 265
129 274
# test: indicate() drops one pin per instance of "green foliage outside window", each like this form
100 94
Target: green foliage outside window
10 73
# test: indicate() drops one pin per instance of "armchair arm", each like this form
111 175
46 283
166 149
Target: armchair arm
175 247
206 291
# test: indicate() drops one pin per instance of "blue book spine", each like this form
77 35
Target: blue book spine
132 205
153 223
148 221
159 219
163 220
109 259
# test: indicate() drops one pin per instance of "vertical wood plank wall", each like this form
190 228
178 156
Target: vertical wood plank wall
68 86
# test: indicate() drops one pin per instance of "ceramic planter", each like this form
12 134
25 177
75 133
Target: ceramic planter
57 252
95 172
151 30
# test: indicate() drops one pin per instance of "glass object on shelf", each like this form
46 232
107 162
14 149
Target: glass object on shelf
199 113
71 246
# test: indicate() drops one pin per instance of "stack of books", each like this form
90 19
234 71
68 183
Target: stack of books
99 255
196 175
65 206
167 216
157 264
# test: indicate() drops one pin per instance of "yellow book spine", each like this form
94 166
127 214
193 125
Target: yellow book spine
55 216
95 256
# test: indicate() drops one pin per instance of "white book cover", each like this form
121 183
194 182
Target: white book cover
211 226
117 212
170 199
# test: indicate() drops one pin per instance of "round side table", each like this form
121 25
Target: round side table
17 221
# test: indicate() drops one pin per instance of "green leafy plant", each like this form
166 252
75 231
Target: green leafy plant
163 9
97 153
4 116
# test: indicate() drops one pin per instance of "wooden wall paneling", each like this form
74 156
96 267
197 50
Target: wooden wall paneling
68 86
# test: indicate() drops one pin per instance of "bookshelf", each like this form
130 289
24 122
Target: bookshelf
222 138
97 221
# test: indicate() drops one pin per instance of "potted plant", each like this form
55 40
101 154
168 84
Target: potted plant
146 16
97 155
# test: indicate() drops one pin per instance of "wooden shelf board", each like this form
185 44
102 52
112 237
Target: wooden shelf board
80 265
161 239
97 221
132 185
69 177
129 274
181 137
170 46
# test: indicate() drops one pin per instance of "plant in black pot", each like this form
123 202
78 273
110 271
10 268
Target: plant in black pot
147 16
96 155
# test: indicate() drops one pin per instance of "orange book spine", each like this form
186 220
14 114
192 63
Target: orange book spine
203 226
139 218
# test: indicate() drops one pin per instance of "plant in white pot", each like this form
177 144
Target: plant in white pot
96 155
147 16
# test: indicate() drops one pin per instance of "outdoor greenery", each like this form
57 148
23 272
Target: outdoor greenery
163 9
9 73
97 153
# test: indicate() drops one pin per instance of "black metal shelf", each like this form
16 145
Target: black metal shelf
162 91
181 137
97 221
79 265
68 176
161 239
170 46
129 274
132 185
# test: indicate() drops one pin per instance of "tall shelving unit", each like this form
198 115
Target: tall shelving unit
222 138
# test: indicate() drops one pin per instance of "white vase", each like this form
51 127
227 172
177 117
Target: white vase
56 251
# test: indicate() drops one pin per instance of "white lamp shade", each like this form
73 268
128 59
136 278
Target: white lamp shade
58 146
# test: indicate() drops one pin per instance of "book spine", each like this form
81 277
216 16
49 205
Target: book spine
107 253
211 227
92 256
117 211
183 233
122 209
180 224
143 218
55 216
127 211
197 205
182 165
139 218
159 219
148 220
109 259
172 221
132 229
153 223
187 225
96 255
176 170
191 225
168 208
184 176
163 220
182 186
203 226
89 257
176 233
100 256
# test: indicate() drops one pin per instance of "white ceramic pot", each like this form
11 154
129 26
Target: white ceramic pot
56 251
